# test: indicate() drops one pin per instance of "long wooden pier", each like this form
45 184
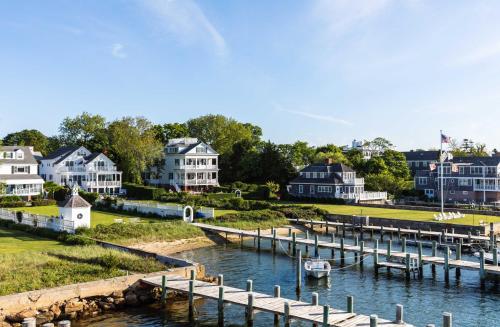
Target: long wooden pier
417 233
288 309
361 250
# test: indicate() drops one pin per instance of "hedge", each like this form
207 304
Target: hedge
141 192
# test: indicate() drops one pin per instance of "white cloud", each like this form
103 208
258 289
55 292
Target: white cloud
117 50
187 22
340 15
307 114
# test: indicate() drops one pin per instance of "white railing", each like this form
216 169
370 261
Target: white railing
54 223
24 192
163 210
102 183
201 182
214 167
364 196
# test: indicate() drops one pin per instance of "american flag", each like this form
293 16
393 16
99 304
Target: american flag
445 139
432 166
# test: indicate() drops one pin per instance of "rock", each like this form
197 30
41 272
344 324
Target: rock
73 306
4 324
55 309
110 299
106 306
18 317
117 294
44 317
131 299
119 302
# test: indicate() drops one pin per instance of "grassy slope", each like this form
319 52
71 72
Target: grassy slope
28 262
13 241
402 214
96 218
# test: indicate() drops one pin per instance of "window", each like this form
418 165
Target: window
214 162
452 192
446 170
461 170
171 149
324 189
177 162
201 149
464 182
170 175
314 175
465 192
214 175
491 170
429 192
422 181
311 189
476 170
321 175
307 175
301 188
20 155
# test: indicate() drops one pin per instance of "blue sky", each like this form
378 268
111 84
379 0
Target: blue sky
319 71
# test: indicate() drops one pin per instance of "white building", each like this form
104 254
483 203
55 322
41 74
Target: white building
365 148
75 210
93 172
19 171
189 165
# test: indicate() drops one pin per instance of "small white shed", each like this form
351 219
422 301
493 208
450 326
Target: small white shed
76 209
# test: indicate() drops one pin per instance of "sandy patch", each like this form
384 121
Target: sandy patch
168 248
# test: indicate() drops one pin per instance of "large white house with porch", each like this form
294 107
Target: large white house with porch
19 171
93 172
188 165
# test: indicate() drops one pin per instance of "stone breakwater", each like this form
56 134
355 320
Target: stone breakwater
86 300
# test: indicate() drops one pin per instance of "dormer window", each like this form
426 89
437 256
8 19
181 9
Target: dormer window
19 154
172 149
201 149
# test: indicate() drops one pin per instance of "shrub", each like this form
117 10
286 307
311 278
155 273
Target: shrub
307 213
17 204
10 199
142 192
43 202
89 197
61 194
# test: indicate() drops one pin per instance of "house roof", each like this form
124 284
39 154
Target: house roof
477 161
333 179
28 157
20 177
328 168
61 153
91 157
192 146
75 201
421 155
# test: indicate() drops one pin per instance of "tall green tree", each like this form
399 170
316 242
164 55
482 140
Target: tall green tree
331 152
85 130
396 164
273 165
134 146
28 137
221 132
169 131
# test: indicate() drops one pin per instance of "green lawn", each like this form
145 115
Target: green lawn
96 217
469 219
13 241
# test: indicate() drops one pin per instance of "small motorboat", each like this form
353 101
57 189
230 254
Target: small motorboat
488 256
317 268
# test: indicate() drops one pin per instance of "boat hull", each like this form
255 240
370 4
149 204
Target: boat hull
317 273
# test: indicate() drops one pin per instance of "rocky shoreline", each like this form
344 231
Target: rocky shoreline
81 308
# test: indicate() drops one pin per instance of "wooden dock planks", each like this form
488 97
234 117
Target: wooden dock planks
262 302
426 259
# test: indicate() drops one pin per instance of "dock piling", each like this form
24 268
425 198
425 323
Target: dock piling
495 256
286 316
458 256
258 239
403 245
399 314
299 271
361 252
249 312
350 304
332 240
315 298
447 319
191 297
446 263
342 251
220 280
274 240
408 267
249 285
373 321
277 294
375 256
482 274
420 261
389 248
220 305
316 249
294 242
381 234
193 274
356 243
163 289
326 314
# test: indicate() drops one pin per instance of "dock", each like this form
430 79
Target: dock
360 250
287 309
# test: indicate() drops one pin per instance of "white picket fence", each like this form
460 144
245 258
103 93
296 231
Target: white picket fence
55 223
162 210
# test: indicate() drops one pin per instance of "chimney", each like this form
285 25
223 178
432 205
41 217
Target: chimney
328 161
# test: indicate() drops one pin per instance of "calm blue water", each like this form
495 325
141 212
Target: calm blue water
424 299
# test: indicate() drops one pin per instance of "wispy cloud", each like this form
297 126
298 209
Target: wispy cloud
307 114
187 22
340 15
117 51
478 56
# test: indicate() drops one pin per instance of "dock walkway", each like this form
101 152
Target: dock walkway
362 250
316 314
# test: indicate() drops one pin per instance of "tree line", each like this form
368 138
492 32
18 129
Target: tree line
135 144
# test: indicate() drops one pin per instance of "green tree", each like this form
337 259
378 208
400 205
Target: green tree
221 132
379 144
53 143
169 131
375 166
28 137
134 145
357 160
331 152
396 164
273 165
386 182
51 188
85 130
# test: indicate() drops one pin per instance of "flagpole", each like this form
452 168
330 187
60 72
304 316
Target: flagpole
441 168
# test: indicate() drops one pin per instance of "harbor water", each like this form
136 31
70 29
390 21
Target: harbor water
424 299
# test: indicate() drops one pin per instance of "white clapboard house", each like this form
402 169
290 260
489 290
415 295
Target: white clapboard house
93 172
19 172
